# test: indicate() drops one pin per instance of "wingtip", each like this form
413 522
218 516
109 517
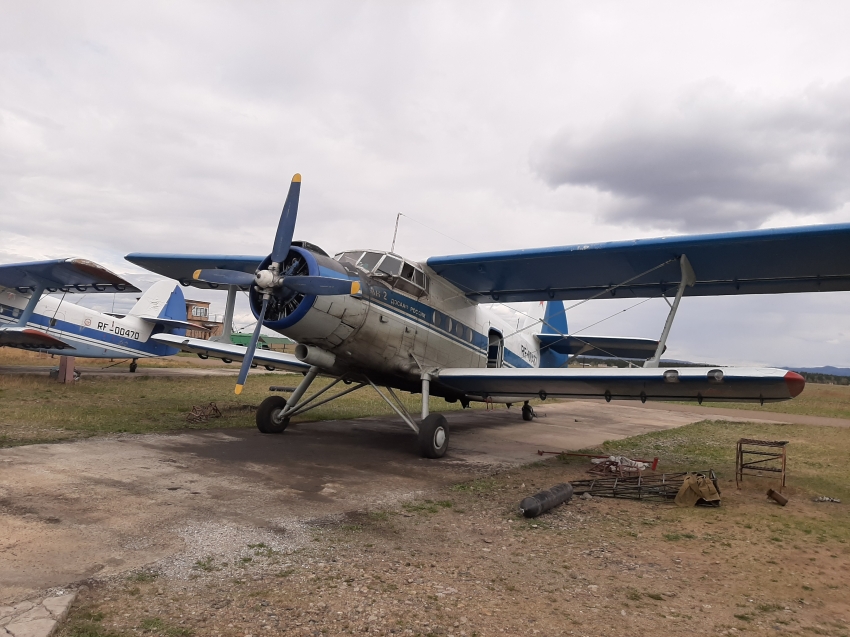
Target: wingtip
238 389
796 383
296 179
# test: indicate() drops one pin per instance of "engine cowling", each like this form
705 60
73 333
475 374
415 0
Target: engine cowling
324 321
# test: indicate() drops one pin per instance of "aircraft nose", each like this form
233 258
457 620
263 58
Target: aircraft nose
795 383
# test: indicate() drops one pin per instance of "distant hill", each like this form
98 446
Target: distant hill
829 370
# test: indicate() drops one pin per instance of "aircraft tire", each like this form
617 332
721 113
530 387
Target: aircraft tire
527 412
133 366
265 415
433 436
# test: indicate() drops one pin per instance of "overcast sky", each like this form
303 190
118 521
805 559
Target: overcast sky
177 127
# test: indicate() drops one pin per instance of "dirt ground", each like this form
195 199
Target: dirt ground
463 562
105 505
338 528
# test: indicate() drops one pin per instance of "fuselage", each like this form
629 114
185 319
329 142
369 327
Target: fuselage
92 334
400 326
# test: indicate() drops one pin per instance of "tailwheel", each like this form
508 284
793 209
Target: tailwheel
433 436
268 415
527 412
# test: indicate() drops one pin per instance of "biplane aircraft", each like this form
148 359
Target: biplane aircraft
31 320
374 318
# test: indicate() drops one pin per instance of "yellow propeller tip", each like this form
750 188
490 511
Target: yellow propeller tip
238 389
355 287
296 178
196 274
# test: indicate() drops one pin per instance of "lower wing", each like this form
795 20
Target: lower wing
739 384
228 351
28 338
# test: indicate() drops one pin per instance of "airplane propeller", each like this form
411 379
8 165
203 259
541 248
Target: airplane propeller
268 281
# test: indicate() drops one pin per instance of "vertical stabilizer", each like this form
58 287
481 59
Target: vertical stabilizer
164 299
555 322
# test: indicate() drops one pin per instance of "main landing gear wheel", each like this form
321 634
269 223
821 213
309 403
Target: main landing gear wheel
267 415
433 436
527 412
133 366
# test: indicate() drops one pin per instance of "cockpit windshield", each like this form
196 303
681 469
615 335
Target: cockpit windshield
402 275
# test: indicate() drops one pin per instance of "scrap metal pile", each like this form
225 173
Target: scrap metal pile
658 487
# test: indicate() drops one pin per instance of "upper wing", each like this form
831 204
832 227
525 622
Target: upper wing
182 266
803 259
231 352
76 275
683 383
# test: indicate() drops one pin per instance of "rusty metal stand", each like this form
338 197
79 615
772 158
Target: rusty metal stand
757 465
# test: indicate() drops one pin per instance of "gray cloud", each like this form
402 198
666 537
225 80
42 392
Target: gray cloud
718 160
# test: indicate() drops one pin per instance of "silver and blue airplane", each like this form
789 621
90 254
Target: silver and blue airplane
441 327
33 320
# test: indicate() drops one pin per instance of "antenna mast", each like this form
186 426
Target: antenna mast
395 234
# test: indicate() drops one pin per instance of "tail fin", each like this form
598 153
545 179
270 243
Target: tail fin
554 322
164 299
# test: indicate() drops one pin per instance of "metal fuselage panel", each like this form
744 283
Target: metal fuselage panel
390 335
91 333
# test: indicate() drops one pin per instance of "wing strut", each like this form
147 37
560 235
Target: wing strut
688 280
30 308
228 315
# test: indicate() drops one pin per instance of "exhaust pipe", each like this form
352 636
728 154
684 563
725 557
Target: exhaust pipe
314 356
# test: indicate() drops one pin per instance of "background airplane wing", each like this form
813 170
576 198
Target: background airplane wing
67 275
28 338
278 360
672 383
803 259
182 266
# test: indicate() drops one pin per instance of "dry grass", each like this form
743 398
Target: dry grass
35 409
832 401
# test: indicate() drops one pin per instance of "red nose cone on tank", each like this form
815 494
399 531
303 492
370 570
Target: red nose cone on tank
795 383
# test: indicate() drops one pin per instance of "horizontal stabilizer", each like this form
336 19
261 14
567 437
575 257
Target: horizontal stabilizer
278 360
740 384
602 346
173 323
66 275
28 338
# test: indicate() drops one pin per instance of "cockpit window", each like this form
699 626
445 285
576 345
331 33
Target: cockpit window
349 257
402 275
369 260
390 266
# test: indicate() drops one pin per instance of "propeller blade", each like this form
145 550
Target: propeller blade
224 277
321 285
252 346
286 226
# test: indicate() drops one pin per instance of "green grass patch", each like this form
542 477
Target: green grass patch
35 409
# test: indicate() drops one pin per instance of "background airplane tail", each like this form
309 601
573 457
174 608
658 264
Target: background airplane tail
164 299
163 308
555 322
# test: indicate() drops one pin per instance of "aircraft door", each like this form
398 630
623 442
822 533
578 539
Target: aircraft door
495 349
